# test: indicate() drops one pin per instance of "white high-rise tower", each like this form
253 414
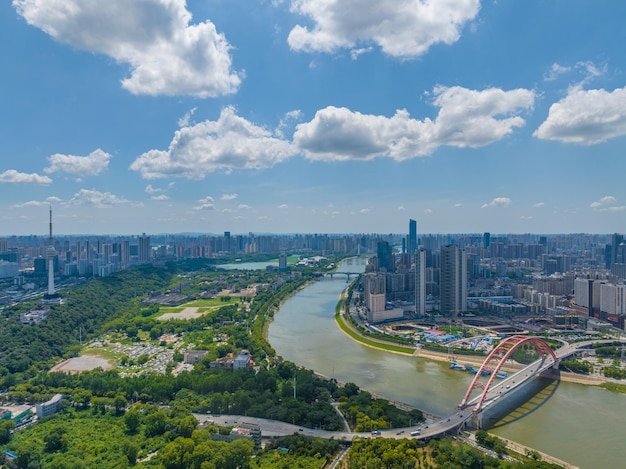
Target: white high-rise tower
50 254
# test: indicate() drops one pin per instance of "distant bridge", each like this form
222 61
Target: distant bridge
332 274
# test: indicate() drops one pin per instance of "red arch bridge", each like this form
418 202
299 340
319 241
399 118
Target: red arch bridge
485 389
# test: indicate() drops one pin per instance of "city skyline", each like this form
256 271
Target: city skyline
301 117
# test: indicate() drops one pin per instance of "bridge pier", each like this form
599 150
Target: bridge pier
476 422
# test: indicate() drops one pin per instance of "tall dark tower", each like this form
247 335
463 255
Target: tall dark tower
412 242
385 256
616 240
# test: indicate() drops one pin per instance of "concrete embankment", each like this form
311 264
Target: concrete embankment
521 449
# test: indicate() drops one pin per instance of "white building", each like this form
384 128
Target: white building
243 360
50 407
613 299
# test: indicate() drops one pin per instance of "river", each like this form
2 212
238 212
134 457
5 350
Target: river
576 423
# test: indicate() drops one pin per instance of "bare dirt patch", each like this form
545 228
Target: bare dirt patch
82 363
187 313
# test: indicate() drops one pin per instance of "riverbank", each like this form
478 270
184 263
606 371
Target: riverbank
348 328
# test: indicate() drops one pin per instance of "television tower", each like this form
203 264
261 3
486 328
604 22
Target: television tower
50 253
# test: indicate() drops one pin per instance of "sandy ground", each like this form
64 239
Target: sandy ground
82 363
187 313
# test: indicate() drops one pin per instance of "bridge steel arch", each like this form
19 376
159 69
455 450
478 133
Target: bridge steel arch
497 358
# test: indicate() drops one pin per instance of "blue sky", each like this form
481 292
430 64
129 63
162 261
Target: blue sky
305 116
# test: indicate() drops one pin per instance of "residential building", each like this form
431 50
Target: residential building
453 292
420 281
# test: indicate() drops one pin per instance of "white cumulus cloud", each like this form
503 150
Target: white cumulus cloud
228 197
466 118
555 71
10 176
167 55
401 28
184 121
206 203
586 117
498 202
31 203
229 143
607 203
97 199
90 165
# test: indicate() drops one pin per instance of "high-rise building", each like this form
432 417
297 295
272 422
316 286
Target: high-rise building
125 253
374 288
50 254
385 256
453 292
144 251
420 281
614 253
486 240
412 242
227 246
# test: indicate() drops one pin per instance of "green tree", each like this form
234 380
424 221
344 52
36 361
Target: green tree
5 431
56 440
82 398
499 446
156 424
532 454
119 403
186 425
131 451
178 453
132 420
481 437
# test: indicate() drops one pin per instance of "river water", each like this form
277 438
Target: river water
576 423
